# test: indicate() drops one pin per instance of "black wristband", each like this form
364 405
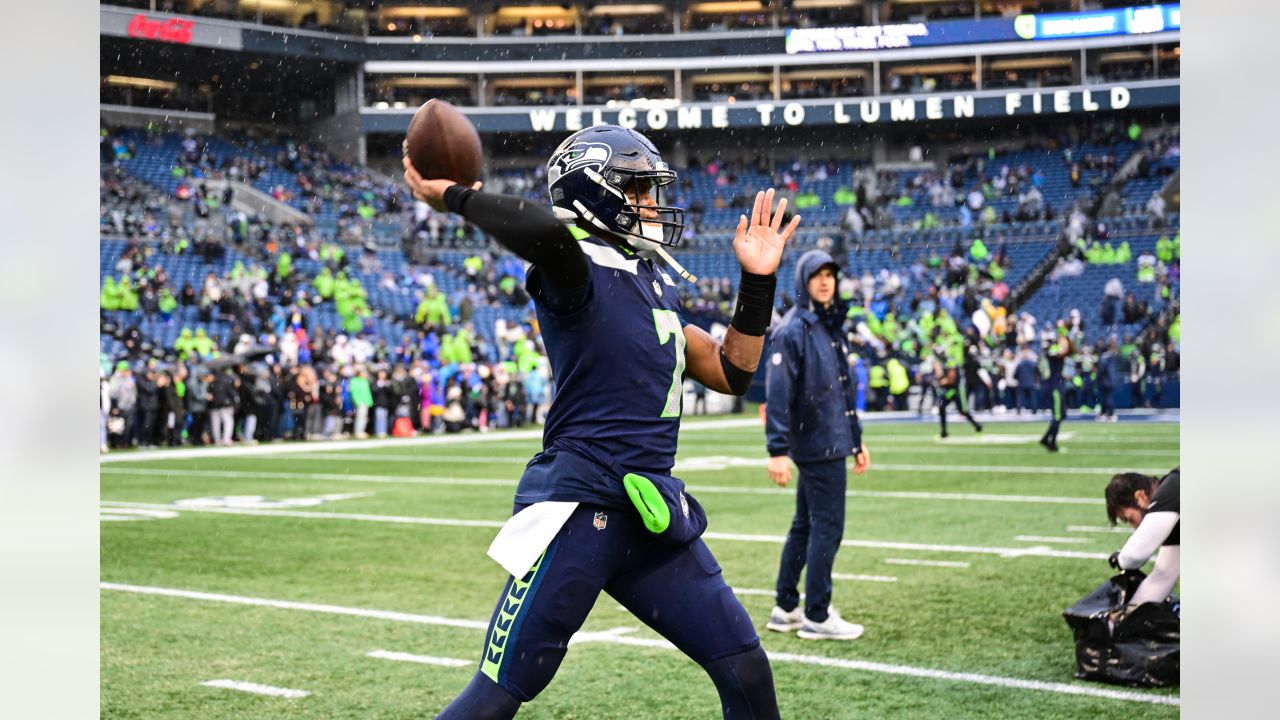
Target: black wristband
455 196
739 380
754 308
1114 560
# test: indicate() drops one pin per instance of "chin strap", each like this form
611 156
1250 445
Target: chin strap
662 253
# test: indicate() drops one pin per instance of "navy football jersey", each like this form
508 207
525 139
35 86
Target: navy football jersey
618 364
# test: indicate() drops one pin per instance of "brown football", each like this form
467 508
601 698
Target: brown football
443 144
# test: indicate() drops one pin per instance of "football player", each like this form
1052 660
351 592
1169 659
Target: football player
1059 349
952 388
598 506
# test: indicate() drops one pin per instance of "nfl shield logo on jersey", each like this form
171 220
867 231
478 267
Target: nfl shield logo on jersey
600 521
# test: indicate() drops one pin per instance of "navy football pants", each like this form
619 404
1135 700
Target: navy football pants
677 591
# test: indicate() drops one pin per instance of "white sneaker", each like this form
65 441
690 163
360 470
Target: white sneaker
833 628
782 621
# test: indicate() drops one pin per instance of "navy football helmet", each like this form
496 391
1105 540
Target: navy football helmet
589 175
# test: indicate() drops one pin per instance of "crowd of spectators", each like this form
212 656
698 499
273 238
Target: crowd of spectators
217 403
280 373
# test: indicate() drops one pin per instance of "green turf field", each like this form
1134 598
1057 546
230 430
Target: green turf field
356 550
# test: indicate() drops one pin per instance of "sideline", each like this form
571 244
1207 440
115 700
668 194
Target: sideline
906 417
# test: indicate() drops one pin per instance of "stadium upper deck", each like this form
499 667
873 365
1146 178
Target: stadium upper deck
816 63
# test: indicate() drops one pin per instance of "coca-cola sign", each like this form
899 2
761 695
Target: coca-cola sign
174 30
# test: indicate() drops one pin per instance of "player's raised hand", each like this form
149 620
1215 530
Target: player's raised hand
429 191
758 242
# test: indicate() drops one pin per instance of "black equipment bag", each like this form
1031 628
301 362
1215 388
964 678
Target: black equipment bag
1141 649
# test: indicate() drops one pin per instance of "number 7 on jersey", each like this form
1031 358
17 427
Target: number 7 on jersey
668 325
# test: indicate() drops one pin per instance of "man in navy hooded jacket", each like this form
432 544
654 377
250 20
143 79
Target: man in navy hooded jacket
811 418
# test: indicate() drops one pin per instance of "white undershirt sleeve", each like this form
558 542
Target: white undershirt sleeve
1163 576
1144 541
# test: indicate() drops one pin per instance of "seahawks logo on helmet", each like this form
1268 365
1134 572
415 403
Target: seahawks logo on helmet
578 156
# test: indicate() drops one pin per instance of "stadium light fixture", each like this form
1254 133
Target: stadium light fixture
726 8
423 11
823 4
638 9
527 12
140 82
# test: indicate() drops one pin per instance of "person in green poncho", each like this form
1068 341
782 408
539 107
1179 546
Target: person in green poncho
167 304
995 270
889 328
899 383
433 310
128 296
447 356
184 346
878 382
1124 253
353 322
807 200
1094 254
1108 254
109 295
978 250
323 283
284 267
203 344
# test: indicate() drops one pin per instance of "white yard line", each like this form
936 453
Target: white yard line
394 519
256 689
123 513
304 606
493 482
777 539
763 592
700 464
616 637
421 659
340 477
757 591
423 459
923 547
927 563
864 578
718 463
1008 469
1051 539
1004 682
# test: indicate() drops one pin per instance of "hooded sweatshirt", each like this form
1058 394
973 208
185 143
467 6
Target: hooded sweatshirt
810 387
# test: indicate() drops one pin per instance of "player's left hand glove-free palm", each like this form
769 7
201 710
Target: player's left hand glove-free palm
757 242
